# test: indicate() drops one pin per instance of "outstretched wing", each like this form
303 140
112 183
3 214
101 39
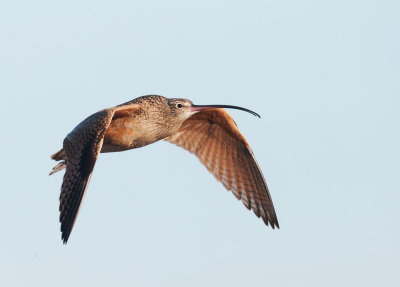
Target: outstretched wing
214 138
82 146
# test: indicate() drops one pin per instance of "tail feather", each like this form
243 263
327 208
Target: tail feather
60 155
60 166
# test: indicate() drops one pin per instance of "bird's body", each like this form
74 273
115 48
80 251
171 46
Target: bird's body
207 131
141 125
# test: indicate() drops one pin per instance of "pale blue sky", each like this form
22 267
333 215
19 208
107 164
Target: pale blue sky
324 75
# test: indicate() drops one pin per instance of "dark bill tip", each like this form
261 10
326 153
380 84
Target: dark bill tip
205 107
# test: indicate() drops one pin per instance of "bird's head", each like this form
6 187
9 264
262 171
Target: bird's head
182 109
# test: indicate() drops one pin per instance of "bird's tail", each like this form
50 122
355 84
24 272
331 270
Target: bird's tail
60 155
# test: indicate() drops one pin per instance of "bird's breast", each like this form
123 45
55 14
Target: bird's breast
128 133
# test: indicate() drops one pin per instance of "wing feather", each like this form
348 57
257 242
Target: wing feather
82 147
214 138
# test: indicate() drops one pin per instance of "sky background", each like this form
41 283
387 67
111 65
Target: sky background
323 75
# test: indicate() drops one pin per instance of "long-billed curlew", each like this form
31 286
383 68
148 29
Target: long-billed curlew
209 132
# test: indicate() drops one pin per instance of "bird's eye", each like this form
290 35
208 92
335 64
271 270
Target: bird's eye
179 106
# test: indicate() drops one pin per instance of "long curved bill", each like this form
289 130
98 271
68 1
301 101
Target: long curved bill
198 108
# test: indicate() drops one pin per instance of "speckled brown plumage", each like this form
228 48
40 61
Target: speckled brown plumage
209 133
81 147
214 138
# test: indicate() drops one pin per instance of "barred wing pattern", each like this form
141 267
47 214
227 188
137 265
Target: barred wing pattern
212 135
82 147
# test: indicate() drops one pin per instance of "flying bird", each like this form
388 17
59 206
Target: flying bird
207 131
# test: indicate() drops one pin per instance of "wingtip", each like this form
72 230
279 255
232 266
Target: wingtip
64 239
273 222
273 225
64 235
